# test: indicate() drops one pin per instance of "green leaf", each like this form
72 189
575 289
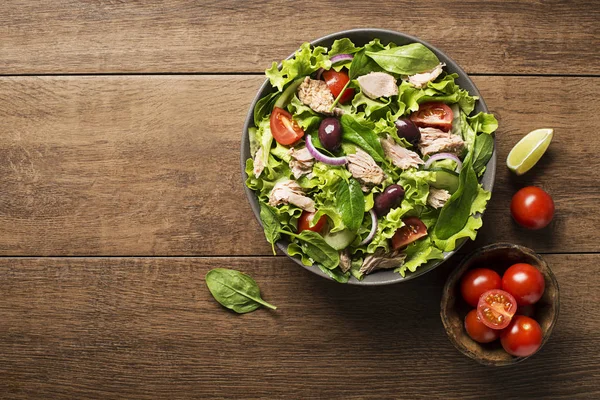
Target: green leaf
336 274
480 202
469 230
482 152
361 135
362 65
343 46
305 62
350 201
411 59
264 107
304 116
417 254
271 225
482 122
456 211
370 106
315 247
235 290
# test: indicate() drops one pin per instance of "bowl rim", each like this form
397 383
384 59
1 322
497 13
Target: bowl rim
458 271
283 244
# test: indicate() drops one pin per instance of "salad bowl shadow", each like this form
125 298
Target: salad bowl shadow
453 309
361 37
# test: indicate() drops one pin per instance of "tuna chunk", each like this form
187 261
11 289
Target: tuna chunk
259 164
345 261
378 84
290 192
381 260
421 80
436 141
362 167
317 96
401 157
301 162
437 197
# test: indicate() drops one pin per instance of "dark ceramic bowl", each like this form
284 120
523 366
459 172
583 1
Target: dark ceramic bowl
361 37
498 257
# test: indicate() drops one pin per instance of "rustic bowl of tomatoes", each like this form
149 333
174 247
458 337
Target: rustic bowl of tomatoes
500 304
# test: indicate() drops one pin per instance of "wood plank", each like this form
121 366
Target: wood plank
70 36
143 328
137 165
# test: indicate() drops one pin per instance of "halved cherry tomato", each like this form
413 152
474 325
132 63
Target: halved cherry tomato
335 82
477 330
412 230
496 308
523 337
305 221
525 282
476 282
532 207
283 128
435 115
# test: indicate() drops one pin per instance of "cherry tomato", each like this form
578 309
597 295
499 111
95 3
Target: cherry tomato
496 308
477 330
525 282
412 230
305 221
435 115
523 337
532 207
335 82
476 282
283 128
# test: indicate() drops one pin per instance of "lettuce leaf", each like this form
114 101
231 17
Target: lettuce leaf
304 115
419 253
305 62
469 230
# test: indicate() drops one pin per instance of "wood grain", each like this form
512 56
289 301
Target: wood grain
142 165
140 328
107 36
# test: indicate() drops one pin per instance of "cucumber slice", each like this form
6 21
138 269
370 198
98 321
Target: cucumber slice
284 99
445 179
339 240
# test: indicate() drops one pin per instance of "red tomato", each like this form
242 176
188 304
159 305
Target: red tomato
477 330
476 282
283 128
335 82
532 207
525 282
305 221
435 115
523 337
496 308
412 230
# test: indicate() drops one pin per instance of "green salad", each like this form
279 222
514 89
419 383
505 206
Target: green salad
368 158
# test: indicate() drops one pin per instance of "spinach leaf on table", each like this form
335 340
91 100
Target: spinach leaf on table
235 290
350 202
410 59
355 132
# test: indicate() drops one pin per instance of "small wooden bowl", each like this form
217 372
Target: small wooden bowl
498 257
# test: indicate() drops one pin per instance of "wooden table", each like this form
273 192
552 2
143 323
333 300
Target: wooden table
120 125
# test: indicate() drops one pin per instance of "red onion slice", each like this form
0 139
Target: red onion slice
319 72
373 228
322 157
341 57
444 156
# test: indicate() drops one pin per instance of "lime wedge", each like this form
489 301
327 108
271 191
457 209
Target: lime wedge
529 150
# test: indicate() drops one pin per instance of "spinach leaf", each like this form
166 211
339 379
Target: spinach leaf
362 65
235 290
456 211
411 59
343 46
271 225
336 274
264 107
316 248
482 152
355 132
350 202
